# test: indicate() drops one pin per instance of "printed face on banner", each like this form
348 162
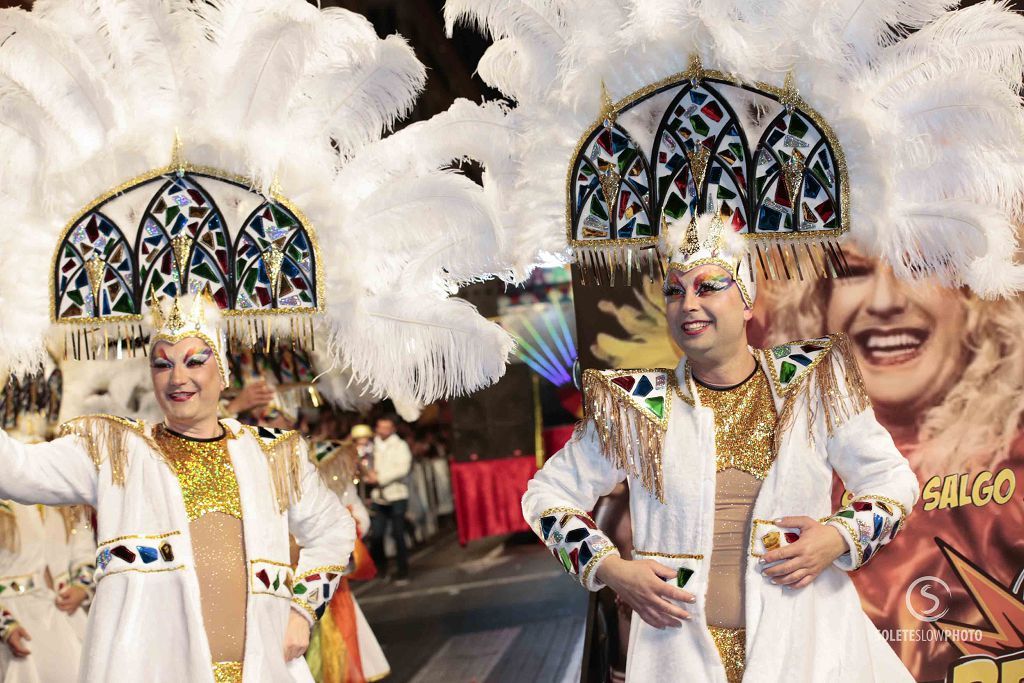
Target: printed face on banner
908 337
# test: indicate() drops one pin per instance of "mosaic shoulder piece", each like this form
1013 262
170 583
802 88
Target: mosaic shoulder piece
284 449
7 624
336 460
867 524
106 439
616 399
825 371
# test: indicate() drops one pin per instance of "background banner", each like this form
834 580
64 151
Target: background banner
945 372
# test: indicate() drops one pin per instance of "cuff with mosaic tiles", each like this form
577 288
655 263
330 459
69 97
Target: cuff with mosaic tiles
575 541
313 590
84 576
7 624
867 524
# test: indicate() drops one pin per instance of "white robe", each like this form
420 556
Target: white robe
818 633
44 544
146 619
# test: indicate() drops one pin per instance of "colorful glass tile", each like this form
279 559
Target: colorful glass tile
787 372
643 387
683 575
147 554
123 553
626 382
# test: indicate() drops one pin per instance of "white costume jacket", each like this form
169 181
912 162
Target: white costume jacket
648 427
37 539
146 617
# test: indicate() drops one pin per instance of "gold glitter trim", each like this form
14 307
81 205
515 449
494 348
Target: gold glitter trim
106 438
803 372
744 419
884 499
563 510
141 570
156 537
854 561
335 568
10 539
284 455
205 473
337 468
636 454
227 672
594 561
297 602
731 644
785 94
668 556
216 174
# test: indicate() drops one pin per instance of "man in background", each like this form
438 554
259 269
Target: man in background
392 462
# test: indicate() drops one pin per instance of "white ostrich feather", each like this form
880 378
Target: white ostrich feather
291 98
924 101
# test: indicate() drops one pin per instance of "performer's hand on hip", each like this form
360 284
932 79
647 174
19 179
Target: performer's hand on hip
641 585
800 562
17 642
70 599
296 636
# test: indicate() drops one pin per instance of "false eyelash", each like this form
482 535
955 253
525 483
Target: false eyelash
714 286
672 291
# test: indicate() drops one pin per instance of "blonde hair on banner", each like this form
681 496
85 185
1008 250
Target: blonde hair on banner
980 416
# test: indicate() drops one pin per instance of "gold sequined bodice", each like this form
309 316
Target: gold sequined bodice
205 473
744 424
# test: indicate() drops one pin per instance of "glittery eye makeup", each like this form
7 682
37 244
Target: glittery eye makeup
159 360
711 283
194 360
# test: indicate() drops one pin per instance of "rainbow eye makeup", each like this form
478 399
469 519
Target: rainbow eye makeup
704 284
711 283
160 361
194 360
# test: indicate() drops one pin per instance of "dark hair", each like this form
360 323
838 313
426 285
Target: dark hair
390 417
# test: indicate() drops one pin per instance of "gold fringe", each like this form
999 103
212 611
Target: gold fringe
284 455
9 537
638 454
338 468
106 438
72 515
822 392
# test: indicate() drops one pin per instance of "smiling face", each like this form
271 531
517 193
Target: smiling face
706 314
907 336
187 382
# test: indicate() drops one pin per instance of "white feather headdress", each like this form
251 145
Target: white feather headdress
895 125
170 145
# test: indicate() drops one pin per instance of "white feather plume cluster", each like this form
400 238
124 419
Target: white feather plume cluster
924 100
95 92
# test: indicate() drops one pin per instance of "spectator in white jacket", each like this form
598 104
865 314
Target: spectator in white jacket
392 461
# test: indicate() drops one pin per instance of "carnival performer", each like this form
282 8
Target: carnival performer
344 648
47 556
729 458
193 574
805 128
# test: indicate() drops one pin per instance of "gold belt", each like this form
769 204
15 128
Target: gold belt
732 648
227 672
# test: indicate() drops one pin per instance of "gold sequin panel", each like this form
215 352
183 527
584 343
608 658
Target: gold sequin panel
205 473
227 672
744 425
732 648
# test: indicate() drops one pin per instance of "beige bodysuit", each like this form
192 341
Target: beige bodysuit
744 452
210 491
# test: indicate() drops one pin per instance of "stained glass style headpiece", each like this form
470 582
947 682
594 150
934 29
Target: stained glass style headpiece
244 149
805 125
775 175
166 235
